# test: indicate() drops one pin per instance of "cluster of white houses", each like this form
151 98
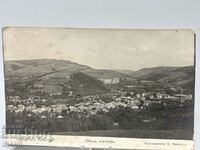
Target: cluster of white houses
91 107
92 104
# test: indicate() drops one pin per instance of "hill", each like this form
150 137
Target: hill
124 71
45 68
51 75
153 73
181 77
54 75
83 84
41 66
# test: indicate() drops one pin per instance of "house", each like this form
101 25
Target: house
10 107
44 100
134 107
72 108
115 80
111 81
70 93
31 108
149 95
171 97
60 117
149 120
138 96
40 110
38 85
29 115
56 94
160 95
20 108
116 124
43 117
58 108
14 98
111 105
183 97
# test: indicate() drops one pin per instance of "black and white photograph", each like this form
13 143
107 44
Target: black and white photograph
122 83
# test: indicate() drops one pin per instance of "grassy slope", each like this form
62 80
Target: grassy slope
132 133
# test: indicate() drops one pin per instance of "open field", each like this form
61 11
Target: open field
132 133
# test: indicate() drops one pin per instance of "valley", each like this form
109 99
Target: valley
63 96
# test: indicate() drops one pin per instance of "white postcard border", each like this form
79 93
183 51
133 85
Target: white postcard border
98 142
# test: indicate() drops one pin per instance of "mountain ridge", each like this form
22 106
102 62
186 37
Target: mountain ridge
55 68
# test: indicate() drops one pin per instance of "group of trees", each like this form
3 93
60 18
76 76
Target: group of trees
156 118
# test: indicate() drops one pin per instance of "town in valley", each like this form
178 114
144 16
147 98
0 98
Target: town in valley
64 97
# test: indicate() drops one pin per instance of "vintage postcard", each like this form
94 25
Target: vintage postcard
99 88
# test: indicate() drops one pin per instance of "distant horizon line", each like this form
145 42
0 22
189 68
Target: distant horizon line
93 67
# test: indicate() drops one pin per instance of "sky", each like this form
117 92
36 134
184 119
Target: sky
102 48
